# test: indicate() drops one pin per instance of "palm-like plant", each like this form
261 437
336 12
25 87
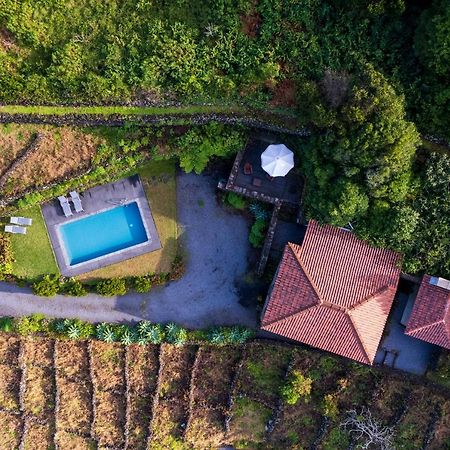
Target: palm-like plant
128 336
59 326
258 211
144 327
73 331
155 334
217 336
105 332
175 334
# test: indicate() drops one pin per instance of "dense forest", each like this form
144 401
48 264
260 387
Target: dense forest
369 78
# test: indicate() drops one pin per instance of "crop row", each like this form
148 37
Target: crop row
86 394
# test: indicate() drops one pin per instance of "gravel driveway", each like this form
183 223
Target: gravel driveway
216 245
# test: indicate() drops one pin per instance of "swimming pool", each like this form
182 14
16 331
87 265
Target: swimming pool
103 233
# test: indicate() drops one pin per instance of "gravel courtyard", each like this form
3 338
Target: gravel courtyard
216 244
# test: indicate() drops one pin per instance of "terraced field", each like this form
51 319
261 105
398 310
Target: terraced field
91 395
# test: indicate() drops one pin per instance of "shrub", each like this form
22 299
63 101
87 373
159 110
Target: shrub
175 334
74 288
6 255
48 286
35 323
142 284
106 332
111 287
330 406
239 335
217 336
257 234
259 211
78 329
297 386
236 201
127 335
6 324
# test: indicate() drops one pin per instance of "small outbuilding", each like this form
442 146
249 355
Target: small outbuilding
430 315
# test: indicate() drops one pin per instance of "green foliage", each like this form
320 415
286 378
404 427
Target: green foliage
330 406
6 324
236 201
441 374
111 287
363 157
6 255
175 334
48 286
142 284
257 233
74 288
259 211
199 144
106 332
338 438
36 323
297 386
419 226
74 328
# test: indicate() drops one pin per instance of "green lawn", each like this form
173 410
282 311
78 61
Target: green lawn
33 252
158 179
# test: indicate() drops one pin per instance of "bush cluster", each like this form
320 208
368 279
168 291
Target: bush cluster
297 386
50 285
142 333
236 201
6 255
257 233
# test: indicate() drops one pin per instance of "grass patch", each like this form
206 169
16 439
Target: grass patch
110 110
249 421
33 253
159 182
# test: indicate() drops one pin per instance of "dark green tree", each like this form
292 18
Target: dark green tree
361 151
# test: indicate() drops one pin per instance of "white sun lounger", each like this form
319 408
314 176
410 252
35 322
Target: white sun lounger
65 206
21 221
76 200
15 229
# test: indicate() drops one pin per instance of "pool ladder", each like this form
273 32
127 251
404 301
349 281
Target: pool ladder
117 201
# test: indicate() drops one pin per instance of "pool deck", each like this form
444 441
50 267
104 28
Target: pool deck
95 200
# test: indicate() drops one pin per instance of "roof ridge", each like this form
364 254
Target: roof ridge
377 293
289 316
428 325
361 342
305 271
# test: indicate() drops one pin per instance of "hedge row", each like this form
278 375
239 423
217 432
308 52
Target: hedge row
50 285
142 333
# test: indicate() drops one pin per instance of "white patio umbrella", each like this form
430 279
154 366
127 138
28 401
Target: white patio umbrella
277 160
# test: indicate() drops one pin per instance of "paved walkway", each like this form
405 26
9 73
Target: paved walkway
216 243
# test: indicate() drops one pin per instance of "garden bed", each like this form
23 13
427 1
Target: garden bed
171 414
410 431
72 360
38 435
142 367
263 372
210 395
10 430
108 366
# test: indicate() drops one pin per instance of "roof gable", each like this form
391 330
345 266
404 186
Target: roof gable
430 316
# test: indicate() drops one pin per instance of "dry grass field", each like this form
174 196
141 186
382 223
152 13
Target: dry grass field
92 395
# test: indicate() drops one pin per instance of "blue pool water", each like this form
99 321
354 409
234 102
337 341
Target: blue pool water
103 233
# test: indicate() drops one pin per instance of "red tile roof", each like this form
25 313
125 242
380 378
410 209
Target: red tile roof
430 316
334 292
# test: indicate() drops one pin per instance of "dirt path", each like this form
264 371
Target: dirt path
216 244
